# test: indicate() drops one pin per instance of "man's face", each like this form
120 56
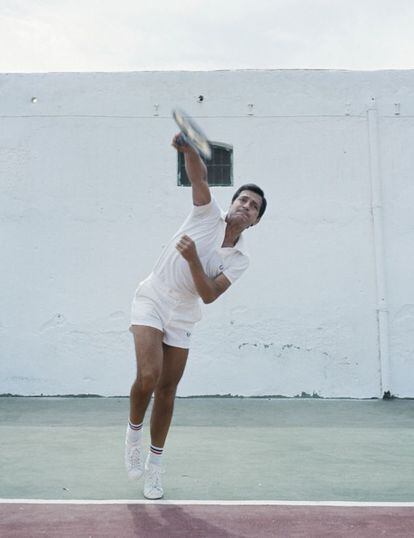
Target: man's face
245 209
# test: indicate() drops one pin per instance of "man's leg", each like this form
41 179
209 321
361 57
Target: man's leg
174 361
172 370
149 354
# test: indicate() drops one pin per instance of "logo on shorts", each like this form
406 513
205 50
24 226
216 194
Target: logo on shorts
188 334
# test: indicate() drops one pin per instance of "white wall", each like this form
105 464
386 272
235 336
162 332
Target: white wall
89 196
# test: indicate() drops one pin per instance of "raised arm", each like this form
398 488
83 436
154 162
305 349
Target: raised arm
196 172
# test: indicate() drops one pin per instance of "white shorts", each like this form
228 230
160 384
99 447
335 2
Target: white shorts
156 305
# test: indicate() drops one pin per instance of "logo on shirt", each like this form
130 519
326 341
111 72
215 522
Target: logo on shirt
188 334
221 267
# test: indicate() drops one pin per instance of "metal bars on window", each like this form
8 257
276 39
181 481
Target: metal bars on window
219 167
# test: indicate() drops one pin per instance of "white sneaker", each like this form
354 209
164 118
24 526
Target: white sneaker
134 461
152 486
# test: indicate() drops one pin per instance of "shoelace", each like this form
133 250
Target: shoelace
154 474
134 457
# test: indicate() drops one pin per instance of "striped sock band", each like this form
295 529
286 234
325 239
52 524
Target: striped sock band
134 432
155 454
136 427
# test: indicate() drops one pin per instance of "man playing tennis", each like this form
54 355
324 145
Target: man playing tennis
202 260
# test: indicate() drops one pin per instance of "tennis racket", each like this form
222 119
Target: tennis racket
191 133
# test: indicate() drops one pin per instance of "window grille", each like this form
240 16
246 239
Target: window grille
219 167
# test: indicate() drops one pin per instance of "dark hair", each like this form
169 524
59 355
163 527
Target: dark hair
254 188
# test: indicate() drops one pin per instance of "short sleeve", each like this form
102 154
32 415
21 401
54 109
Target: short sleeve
235 266
212 209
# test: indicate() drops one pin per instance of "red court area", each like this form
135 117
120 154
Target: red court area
155 520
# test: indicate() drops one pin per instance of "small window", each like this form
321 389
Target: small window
219 167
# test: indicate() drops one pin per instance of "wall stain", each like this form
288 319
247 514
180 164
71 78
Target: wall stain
289 346
255 344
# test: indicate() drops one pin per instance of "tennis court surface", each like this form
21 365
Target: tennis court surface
235 467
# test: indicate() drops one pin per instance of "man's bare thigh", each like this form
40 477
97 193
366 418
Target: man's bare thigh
149 349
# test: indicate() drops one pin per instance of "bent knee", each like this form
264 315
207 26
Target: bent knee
167 391
148 380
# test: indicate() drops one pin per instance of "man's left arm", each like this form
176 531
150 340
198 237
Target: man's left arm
208 288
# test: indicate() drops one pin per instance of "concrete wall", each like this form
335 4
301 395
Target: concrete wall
89 197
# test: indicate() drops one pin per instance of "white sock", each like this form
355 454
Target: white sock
134 432
155 455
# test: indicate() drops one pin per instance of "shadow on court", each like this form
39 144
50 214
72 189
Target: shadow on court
219 449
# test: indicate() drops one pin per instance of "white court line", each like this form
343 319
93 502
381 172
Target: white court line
213 503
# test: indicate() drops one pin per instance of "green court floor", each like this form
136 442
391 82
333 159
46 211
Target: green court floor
218 449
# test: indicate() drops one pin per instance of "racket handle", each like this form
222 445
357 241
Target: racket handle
182 140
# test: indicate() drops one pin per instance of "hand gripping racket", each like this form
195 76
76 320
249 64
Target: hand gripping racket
191 133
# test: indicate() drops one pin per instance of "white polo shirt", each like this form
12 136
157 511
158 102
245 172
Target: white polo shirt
206 226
